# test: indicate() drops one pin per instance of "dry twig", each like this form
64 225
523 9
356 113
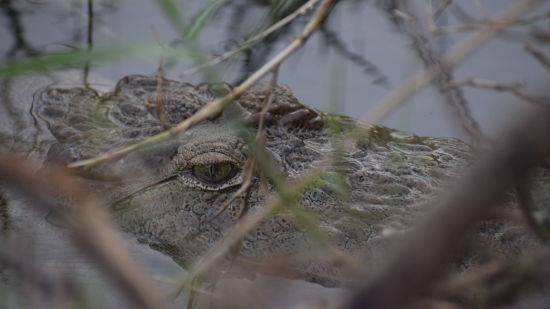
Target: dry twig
430 55
441 9
409 271
159 102
537 54
455 56
281 23
248 171
87 220
332 40
235 234
218 105
515 89
477 24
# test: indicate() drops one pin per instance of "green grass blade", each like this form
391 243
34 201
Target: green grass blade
79 57
199 21
172 11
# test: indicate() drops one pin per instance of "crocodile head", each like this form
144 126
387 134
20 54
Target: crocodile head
170 195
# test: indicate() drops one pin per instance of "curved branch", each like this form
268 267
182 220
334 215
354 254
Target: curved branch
218 105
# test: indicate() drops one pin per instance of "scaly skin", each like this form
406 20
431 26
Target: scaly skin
157 196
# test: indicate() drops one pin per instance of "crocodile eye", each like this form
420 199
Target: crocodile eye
215 173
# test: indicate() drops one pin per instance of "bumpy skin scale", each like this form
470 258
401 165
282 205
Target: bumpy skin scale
157 197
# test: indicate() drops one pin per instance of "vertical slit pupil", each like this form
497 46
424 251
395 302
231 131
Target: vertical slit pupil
214 172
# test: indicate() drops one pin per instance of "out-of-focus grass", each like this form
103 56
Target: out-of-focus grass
79 57
287 194
189 33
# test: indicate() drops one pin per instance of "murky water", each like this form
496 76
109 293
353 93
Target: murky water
36 239
318 74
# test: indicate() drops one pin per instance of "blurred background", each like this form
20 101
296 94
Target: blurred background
361 53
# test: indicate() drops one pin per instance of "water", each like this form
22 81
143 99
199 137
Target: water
318 73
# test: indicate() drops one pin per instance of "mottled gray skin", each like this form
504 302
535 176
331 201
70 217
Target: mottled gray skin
157 197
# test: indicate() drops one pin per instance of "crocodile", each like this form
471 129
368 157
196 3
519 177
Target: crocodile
170 195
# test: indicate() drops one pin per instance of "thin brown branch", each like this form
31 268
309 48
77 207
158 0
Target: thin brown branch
441 9
87 221
428 51
537 54
462 15
217 253
160 99
218 105
229 246
515 89
439 30
90 39
246 203
267 105
455 56
248 173
226 246
159 104
475 24
532 19
260 137
333 40
409 271
248 43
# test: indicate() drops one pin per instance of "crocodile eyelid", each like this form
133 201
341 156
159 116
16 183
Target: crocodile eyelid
212 157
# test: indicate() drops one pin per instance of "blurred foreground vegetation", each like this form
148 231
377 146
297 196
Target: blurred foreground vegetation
522 282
